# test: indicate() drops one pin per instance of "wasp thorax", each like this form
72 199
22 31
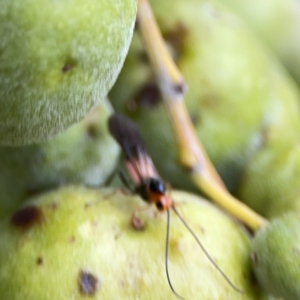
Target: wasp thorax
157 186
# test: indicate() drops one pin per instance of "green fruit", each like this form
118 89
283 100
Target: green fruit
82 243
276 257
235 89
270 183
84 154
277 23
58 59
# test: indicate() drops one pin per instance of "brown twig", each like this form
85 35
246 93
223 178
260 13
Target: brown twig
191 152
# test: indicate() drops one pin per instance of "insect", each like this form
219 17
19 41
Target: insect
148 183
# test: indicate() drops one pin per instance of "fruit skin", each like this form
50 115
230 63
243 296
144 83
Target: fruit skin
84 154
236 89
55 236
275 22
270 181
276 256
58 59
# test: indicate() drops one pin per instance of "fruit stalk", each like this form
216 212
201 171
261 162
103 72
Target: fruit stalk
191 152
172 86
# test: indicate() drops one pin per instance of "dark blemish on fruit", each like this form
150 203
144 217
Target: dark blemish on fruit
66 68
88 283
39 261
177 39
69 64
148 96
26 217
92 131
72 239
136 223
254 258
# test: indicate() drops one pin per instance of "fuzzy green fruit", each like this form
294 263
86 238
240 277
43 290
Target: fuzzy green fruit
277 23
236 90
58 59
75 243
270 182
84 154
276 257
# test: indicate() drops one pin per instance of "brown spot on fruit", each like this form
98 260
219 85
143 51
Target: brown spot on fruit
39 261
136 223
69 64
66 68
92 131
72 239
148 96
177 38
88 283
26 217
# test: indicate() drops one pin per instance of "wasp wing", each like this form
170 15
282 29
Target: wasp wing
128 136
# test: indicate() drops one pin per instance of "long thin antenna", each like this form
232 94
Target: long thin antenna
205 251
166 256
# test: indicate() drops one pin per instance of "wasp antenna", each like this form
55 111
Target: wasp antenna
166 256
205 251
